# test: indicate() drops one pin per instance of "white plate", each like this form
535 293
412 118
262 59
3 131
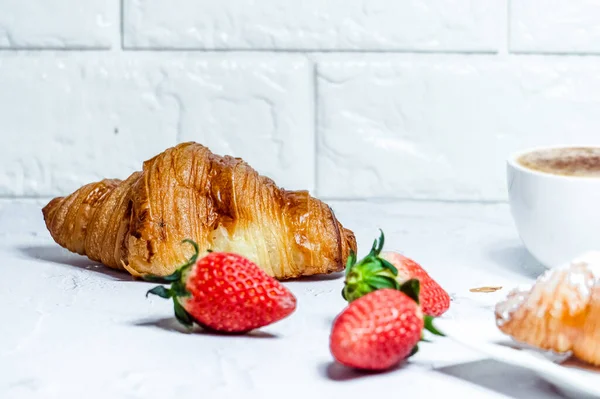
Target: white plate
574 379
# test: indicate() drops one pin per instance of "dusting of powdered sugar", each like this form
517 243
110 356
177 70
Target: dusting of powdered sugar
577 275
580 275
592 261
581 280
548 280
515 298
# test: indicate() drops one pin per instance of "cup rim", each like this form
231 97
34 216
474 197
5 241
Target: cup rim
514 156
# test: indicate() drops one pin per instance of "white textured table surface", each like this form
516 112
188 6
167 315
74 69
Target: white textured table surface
72 328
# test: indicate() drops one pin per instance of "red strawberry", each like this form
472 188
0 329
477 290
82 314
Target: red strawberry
391 270
434 300
225 292
380 329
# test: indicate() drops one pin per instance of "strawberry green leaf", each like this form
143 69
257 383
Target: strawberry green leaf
388 266
428 321
411 288
371 267
370 273
161 291
379 282
366 277
163 279
153 279
178 289
182 315
381 241
350 262
413 351
173 277
377 245
354 291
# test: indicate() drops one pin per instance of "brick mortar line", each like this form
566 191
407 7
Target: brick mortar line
104 50
242 51
305 51
506 41
55 49
121 46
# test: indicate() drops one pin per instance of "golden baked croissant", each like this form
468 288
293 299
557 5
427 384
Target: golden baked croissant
187 192
560 312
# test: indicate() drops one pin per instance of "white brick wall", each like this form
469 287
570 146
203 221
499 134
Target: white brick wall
555 26
348 98
440 127
57 23
90 115
470 25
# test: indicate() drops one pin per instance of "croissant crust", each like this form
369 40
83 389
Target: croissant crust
187 192
560 312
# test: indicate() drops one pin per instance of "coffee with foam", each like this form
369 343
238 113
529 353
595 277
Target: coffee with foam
567 161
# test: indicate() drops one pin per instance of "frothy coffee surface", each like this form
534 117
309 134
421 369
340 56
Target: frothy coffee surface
573 161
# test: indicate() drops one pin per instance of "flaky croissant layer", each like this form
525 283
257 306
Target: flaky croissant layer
559 312
187 192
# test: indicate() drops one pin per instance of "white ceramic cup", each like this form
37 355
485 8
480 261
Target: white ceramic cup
557 217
